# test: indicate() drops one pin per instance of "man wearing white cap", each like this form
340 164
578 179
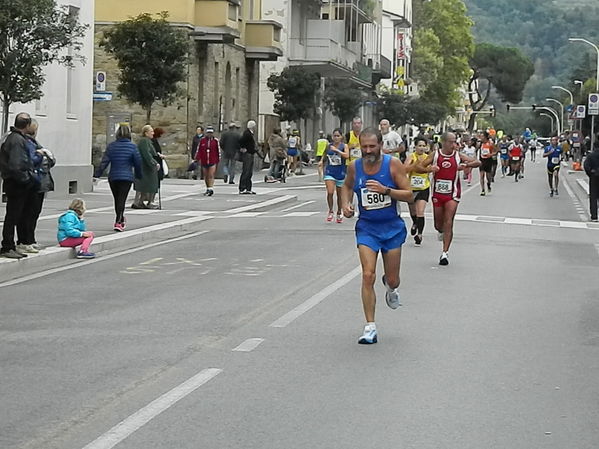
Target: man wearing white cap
248 150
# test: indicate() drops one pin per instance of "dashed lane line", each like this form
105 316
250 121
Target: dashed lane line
316 299
249 345
144 415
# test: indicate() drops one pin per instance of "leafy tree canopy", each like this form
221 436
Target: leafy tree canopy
152 57
33 35
295 91
447 21
402 110
343 98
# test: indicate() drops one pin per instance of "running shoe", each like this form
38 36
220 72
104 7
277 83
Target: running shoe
207 192
23 249
551 193
118 227
85 255
594 219
444 260
417 240
369 336
482 193
413 229
210 192
440 236
330 217
556 192
391 296
339 219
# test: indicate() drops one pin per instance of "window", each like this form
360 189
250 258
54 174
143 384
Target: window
233 12
277 35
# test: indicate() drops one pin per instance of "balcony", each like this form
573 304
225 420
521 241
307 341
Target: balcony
381 68
217 21
263 40
360 10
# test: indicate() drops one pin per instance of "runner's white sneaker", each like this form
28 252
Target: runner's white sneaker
444 260
369 336
391 296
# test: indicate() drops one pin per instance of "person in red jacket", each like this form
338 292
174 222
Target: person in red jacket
208 157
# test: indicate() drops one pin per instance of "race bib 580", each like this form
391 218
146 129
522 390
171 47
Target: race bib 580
373 200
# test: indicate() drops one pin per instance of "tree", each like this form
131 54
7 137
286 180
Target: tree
401 110
295 91
343 98
152 58
506 69
33 35
445 29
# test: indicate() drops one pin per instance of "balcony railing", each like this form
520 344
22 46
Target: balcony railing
263 40
323 51
217 20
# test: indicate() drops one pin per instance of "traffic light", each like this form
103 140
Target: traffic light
507 107
534 107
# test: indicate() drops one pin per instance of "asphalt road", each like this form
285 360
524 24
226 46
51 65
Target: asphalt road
243 335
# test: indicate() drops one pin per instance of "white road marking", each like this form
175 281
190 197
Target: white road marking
300 214
579 209
313 301
298 206
84 263
270 202
140 418
244 215
249 345
151 261
520 221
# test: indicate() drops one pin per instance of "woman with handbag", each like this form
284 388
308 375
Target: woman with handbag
146 187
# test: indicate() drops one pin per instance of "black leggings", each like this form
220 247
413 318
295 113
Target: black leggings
120 190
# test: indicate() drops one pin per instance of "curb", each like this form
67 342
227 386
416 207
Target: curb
56 256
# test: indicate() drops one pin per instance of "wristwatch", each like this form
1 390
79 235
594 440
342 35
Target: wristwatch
388 191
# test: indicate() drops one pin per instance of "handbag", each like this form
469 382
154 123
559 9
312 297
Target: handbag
165 167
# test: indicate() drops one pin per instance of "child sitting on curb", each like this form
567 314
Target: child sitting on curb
71 230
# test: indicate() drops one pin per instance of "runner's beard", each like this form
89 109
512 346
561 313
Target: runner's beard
371 158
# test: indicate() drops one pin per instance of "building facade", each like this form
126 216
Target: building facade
64 112
227 41
397 44
338 39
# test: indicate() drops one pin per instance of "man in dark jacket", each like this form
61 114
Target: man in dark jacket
591 167
20 182
229 144
248 151
195 142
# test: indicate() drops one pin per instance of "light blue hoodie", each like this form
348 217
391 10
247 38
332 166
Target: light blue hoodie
70 225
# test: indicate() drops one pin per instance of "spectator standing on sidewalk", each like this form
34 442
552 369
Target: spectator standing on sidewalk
146 187
277 155
43 161
195 142
124 161
591 167
229 144
248 151
20 182
208 158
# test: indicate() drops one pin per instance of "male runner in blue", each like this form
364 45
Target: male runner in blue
553 154
379 181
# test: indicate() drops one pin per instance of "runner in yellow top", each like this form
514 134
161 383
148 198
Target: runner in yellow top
420 184
321 145
352 139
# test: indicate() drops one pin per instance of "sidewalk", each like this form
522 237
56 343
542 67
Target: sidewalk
184 208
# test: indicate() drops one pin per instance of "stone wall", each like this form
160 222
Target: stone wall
222 86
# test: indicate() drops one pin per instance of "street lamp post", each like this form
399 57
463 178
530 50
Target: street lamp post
561 105
550 118
579 39
571 103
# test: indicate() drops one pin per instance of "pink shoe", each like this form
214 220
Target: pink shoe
330 217
339 219
118 227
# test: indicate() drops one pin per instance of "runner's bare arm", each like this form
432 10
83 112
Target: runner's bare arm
347 192
424 165
468 161
345 153
403 192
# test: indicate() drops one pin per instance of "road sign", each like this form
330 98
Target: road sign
581 111
103 96
100 81
593 104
